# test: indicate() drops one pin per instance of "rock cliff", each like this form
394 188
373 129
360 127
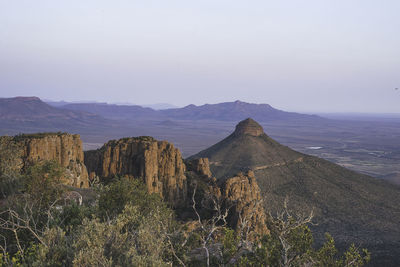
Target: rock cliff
200 166
243 194
158 163
240 193
64 148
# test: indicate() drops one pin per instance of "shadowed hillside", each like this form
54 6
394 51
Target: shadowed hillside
119 112
351 206
30 114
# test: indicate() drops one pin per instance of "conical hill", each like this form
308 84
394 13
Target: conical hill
351 206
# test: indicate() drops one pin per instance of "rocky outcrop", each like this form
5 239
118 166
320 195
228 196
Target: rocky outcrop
200 166
248 127
158 163
242 193
64 148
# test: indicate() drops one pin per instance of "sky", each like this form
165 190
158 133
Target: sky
297 55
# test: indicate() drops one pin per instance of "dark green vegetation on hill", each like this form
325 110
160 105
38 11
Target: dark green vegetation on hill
349 205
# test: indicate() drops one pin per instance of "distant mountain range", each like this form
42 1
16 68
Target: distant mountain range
228 111
31 112
235 111
34 110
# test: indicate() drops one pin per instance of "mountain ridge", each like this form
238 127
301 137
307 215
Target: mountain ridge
231 111
31 114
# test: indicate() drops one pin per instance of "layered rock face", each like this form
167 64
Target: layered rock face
158 163
65 149
250 127
242 192
200 166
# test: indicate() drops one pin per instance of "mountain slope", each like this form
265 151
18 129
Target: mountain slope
235 111
31 114
352 207
119 112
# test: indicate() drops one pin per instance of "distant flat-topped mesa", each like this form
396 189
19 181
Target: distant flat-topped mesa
63 148
250 127
158 163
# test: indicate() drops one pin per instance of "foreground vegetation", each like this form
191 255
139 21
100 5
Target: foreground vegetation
43 224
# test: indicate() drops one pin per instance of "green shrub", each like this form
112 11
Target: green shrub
120 192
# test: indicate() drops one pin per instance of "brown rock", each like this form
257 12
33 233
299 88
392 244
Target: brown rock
64 148
200 166
249 127
242 192
158 163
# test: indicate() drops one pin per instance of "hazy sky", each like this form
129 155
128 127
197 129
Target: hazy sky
297 55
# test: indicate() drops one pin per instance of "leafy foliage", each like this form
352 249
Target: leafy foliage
269 252
122 191
43 182
10 178
126 226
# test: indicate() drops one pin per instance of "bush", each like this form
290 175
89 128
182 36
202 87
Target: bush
10 164
120 192
42 182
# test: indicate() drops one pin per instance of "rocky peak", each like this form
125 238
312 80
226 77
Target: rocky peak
249 127
200 166
158 163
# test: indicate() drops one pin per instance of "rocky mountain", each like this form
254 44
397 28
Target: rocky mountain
368 147
66 149
164 172
351 206
158 163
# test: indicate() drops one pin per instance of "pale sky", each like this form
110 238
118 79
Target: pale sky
297 55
